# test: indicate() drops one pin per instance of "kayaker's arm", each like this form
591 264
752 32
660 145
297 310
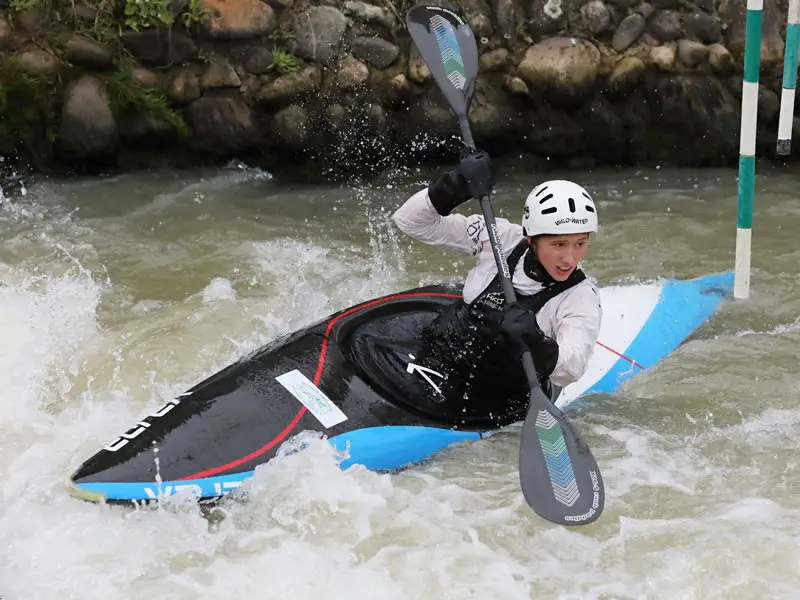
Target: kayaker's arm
578 319
418 219
428 215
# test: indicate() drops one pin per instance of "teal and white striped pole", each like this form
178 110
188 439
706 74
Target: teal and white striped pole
784 146
747 148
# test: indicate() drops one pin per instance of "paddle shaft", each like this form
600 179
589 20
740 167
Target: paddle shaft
497 250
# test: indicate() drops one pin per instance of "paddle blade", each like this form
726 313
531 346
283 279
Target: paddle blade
558 474
447 45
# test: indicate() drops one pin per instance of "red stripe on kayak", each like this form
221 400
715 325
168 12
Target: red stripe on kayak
317 376
630 360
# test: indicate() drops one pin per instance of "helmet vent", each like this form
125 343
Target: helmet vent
550 210
545 199
589 208
571 205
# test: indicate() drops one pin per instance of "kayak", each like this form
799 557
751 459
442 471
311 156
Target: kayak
353 377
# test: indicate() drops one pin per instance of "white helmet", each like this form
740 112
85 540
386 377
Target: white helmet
558 207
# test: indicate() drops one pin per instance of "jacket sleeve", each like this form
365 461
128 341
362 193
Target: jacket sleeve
418 219
578 328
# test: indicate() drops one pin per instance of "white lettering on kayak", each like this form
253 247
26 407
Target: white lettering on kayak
313 398
142 425
423 371
220 489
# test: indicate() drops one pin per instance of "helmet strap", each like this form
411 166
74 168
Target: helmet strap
533 268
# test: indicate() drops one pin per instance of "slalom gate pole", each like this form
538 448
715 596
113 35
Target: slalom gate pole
747 148
784 146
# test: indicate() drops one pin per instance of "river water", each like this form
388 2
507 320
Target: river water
121 292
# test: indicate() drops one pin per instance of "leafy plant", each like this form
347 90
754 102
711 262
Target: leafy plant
145 14
21 5
194 13
127 95
284 61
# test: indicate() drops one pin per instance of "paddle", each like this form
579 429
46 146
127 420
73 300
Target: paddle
558 474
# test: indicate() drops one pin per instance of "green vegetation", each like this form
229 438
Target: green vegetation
145 14
284 62
28 110
128 96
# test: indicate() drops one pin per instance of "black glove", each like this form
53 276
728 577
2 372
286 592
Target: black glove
519 326
472 178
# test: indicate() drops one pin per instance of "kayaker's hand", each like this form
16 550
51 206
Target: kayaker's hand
519 326
472 178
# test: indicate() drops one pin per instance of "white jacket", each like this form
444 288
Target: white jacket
571 318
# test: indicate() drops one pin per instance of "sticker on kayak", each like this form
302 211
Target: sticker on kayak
312 398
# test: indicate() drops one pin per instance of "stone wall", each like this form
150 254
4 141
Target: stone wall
337 85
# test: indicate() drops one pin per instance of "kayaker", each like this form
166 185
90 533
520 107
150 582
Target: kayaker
558 312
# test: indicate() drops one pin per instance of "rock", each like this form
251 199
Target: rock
418 70
350 74
494 60
374 50
38 62
703 27
595 17
546 18
734 14
89 53
223 124
515 85
352 123
7 37
238 19
705 5
628 32
318 33
32 22
665 26
768 104
566 66
554 132
491 114
258 60
88 130
83 12
291 128
146 77
159 47
184 87
369 13
429 123
219 74
646 10
626 74
720 59
251 86
664 56
479 17
507 18
692 53
289 86
395 89
145 127
649 39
